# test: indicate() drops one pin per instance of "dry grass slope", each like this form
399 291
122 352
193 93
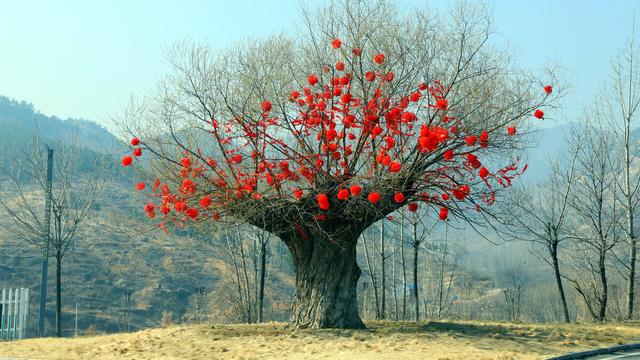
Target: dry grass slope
382 340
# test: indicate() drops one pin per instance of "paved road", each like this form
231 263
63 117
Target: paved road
626 355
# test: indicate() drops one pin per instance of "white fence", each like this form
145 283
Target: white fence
13 313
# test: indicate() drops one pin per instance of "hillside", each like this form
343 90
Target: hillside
382 340
20 119
117 251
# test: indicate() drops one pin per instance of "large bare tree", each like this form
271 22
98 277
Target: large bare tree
316 137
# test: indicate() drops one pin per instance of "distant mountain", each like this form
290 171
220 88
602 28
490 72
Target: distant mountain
19 121
550 142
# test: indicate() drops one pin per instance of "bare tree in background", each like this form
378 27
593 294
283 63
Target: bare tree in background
541 216
373 255
622 111
594 202
73 196
260 245
245 248
419 233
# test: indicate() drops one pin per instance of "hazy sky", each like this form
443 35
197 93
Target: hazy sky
79 58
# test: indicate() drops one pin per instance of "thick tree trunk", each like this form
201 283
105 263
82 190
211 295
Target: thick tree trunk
58 294
327 275
556 269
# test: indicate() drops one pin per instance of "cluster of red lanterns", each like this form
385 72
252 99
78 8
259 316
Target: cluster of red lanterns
319 105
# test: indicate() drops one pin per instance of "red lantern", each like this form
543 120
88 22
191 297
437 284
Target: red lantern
538 114
323 202
373 197
444 213
343 194
395 166
205 201
192 213
312 79
127 160
448 155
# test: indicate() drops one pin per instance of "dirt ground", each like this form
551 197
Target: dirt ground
382 340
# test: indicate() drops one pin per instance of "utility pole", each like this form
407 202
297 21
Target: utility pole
199 303
76 331
127 309
45 247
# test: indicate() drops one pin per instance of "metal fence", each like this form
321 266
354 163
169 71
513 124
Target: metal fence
14 305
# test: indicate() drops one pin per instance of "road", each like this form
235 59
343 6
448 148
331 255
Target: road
626 355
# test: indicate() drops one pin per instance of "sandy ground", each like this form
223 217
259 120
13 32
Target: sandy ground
382 340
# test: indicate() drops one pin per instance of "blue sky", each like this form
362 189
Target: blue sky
85 58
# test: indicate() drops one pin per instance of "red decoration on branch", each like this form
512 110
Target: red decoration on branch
444 213
338 136
538 114
323 202
127 160
373 197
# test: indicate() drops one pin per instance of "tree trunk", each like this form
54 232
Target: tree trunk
58 293
372 274
250 315
404 270
327 276
415 280
602 314
383 280
556 269
632 275
263 261
393 283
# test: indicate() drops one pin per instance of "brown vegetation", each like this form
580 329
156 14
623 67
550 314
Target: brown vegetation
382 340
